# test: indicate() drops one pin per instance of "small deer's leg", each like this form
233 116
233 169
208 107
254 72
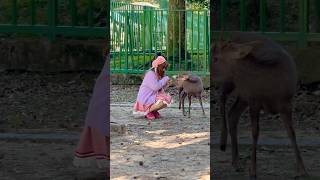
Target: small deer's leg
189 97
182 99
200 101
254 115
233 119
286 116
180 90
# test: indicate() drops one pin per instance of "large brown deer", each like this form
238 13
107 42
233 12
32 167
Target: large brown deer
262 76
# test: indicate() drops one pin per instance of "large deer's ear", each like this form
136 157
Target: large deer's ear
254 44
244 49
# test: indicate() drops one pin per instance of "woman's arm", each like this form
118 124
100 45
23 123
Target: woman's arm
152 82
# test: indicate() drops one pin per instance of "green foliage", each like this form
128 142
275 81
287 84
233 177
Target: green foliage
198 4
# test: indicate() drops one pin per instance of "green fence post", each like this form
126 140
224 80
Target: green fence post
33 12
303 22
126 38
156 30
282 16
205 42
14 12
222 13
179 39
242 15
144 37
263 5
191 66
173 45
90 13
186 40
198 41
150 30
52 19
73 12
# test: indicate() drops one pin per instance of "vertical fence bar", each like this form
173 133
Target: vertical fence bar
33 12
139 35
222 13
90 13
144 38
167 39
73 12
161 34
156 35
282 16
205 42
262 10
173 46
150 31
191 66
119 40
198 41
114 31
14 12
126 38
131 18
303 22
56 13
179 39
52 19
186 40
242 15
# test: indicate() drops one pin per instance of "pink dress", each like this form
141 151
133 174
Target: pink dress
150 92
94 145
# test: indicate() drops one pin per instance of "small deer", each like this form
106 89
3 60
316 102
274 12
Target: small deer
189 85
262 76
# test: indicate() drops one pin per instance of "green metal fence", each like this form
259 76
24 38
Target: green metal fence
293 13
138 33
52 18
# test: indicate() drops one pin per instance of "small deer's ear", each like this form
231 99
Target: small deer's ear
242 51
254 44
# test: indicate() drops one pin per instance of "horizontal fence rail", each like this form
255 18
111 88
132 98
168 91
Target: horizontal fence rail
52 18
138 34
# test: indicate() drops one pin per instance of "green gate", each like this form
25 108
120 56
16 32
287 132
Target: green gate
139 32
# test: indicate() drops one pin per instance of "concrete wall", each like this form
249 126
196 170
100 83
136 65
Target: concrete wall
41 55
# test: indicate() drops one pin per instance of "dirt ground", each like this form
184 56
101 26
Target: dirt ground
42 160
174 147
43 103
275 156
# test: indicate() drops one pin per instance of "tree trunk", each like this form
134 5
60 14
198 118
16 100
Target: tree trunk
176 40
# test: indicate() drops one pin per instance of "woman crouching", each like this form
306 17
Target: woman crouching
151 96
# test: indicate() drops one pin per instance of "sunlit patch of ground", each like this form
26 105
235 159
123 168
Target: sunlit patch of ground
173 147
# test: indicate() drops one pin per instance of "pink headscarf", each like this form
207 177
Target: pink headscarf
157 62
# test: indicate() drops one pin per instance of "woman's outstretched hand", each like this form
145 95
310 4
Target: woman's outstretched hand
169 83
